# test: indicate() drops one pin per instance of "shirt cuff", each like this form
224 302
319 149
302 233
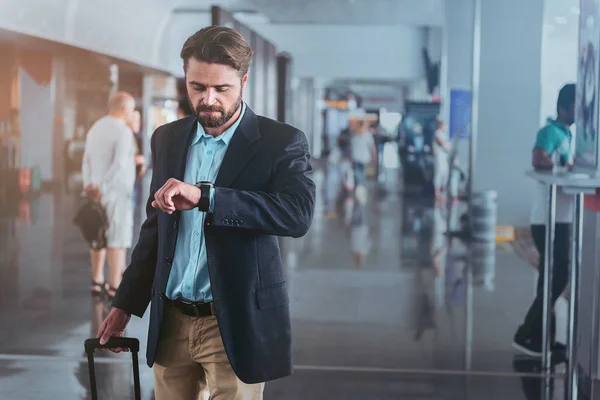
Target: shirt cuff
211 204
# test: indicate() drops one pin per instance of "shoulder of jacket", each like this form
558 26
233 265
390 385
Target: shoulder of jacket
276 130
166 131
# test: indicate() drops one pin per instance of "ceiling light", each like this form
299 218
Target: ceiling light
561 20
574 10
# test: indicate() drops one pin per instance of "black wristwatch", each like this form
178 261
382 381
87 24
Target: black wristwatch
205 188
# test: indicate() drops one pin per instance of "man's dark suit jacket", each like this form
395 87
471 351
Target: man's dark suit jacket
263 190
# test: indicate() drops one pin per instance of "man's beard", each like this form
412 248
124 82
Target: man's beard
215 121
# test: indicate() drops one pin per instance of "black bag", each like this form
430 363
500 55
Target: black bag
92 222
130 343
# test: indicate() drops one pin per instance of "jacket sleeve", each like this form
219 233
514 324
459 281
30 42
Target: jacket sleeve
135 290
285 209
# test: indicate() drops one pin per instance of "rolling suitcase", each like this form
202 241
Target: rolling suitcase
114 342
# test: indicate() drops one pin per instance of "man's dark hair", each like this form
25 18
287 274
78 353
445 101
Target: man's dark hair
218 45
185 107
566 97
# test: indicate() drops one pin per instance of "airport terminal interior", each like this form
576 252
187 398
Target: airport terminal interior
410 283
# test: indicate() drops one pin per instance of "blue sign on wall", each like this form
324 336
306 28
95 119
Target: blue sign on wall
460 113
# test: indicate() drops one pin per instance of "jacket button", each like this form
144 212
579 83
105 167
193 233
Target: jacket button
168 260
225 221
175 224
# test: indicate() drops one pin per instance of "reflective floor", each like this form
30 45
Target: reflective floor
384 306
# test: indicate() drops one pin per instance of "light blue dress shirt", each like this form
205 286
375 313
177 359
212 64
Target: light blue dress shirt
189 279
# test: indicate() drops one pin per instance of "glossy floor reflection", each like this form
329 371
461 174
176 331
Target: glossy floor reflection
384 306
68 380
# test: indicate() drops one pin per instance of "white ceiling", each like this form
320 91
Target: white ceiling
135 30
370 12
205 5
346 12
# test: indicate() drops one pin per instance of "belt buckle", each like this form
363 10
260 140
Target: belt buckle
196 309
186 304
182 301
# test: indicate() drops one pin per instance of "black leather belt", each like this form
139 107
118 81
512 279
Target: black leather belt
192 309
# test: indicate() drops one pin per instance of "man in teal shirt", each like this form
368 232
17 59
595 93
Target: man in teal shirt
552 148
189 278
219 199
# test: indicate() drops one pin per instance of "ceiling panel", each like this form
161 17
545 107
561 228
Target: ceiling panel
205 5
128 30
354 12
347 12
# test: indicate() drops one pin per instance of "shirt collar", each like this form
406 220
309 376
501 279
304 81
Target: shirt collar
225 136
559 125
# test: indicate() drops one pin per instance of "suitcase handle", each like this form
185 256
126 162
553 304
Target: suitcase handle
114 342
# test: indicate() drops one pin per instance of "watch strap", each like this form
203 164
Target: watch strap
205 188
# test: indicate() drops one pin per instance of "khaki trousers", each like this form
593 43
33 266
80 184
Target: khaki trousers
191 363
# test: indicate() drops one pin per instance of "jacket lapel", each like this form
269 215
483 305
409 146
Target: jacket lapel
178 151
241 149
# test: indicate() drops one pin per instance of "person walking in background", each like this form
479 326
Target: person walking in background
363 153
380 137
345 151
441 161
225 184
109 177
553 148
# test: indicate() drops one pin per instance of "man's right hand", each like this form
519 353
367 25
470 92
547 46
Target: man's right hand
541 160
93 192
114 325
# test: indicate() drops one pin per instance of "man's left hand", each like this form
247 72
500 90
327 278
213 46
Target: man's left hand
176 195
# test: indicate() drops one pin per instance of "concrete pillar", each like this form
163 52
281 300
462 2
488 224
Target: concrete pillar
64 116
114 79
509 103
37 124
304 116
507 93
559 58
457 59
146 107
318 106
